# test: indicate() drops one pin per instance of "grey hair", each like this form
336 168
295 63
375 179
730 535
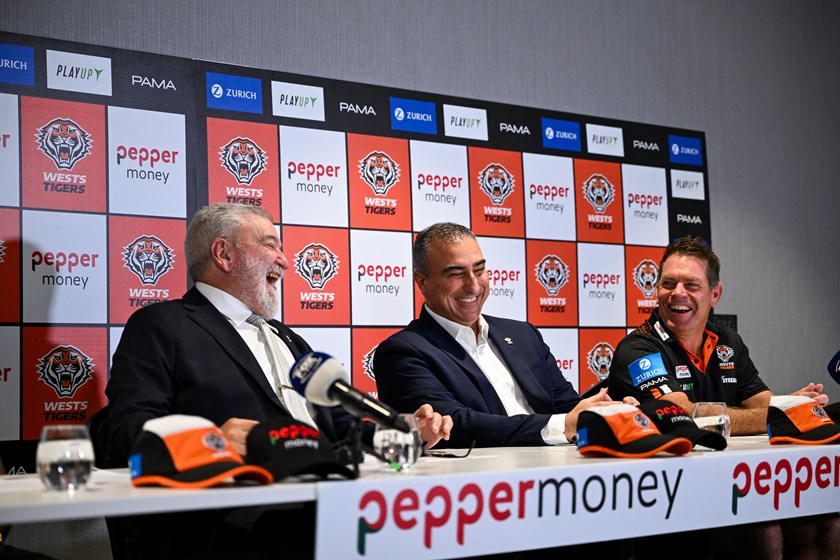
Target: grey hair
221 219
443 232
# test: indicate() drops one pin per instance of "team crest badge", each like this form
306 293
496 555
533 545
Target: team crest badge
64 142
552 274
2 250
212 440
316 264
65 369
367 363
598 192
645 276
496 182
379 171
724 353
641 420
148 258
599 359
244 159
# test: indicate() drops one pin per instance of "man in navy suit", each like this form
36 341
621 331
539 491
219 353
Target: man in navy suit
495 377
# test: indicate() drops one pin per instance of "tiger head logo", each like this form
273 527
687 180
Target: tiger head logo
552 274
244 159
599 359
316 264
818 411
645 276
641 420
65 369
724 353
496 182
379 171
599 192
2 250
148 258
64 142
367 363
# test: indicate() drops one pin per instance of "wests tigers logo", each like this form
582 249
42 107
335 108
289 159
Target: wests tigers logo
379 171
724 353
645 276
599 192
496 182
244 159
316 264
64 142
367 363
599 359
2 250
65 369
552 274
148 258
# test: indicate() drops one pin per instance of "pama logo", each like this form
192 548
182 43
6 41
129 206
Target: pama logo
645 276
148 258
599 359
379 171
64 142
316 264
65 369
367 363
552 274
724 353
244 159
599 192
496 182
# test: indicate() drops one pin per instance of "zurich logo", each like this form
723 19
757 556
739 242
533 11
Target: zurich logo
216 91
399 114
675 149
549 133
644 364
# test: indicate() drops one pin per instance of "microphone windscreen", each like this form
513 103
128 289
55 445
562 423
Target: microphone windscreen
314 373
834 367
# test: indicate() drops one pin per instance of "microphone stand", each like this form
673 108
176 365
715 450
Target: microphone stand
350 449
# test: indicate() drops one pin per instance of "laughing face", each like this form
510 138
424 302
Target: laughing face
456 286
684 295
259 264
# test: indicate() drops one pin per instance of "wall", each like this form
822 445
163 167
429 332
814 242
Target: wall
755 75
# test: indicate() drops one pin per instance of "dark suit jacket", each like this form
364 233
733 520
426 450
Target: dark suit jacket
424 364
184 357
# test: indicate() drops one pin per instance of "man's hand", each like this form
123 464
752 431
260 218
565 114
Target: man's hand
236 430
813 391
433 427
601 399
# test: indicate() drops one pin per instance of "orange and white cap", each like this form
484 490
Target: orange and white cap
798 419
622 430
182 451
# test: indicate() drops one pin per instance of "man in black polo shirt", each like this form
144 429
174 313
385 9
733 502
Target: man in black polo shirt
678 355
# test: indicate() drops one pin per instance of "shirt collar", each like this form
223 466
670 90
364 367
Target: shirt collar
459 331
229 306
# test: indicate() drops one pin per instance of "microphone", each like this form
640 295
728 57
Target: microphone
322 380
834 367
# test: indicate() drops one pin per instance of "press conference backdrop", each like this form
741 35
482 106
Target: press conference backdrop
107 153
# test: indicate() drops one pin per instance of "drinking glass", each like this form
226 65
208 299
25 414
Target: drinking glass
712 416
399 449
64 456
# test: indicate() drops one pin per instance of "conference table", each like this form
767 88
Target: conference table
496 500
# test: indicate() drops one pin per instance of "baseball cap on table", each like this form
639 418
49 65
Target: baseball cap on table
288 447
622 430
798 419
673 420
183 451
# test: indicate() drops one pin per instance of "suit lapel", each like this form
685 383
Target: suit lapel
445 342
539 400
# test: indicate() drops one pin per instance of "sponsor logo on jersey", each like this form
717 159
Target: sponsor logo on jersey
316 264
64 142
599 359
496 182
552 274
646 368
379 171
683 372
65 369
244 159
148 258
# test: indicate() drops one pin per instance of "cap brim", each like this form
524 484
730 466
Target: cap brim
642 447
822 434
699 436
207 476
281 470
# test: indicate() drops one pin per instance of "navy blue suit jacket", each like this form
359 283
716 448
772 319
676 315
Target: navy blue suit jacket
184 357
424 364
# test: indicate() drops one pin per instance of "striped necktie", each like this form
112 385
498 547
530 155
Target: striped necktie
291 399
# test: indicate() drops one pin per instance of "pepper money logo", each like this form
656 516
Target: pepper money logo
552 274
64 142
244 159
316 264
379 171
65 369
599 192
645 276
496 182
599 359
148 258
